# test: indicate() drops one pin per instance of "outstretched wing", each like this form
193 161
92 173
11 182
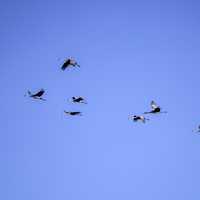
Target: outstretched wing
72 113
80 99
65 64
75 113
154 105
39 94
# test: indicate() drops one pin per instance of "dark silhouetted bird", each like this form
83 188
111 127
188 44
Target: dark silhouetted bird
72 113
37 95
69 62
78 100
155 108
136 118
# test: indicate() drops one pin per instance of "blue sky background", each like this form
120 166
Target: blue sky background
130 52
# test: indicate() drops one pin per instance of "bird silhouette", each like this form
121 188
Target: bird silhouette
137 118
155 109
72 113
78 100
69 62
37 95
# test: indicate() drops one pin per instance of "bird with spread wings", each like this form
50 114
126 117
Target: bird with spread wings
78 100
69 62
72 113
38 95
137 118
155 109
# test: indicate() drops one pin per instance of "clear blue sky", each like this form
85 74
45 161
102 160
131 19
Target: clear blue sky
130 52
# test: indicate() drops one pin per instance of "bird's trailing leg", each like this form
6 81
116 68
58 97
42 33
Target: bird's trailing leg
84 102
39 98
42 99
148 112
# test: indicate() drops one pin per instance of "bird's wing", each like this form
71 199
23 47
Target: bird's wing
199 127
76 113
154 105
65 64
39 94
80 99
63 67
142 117
73 62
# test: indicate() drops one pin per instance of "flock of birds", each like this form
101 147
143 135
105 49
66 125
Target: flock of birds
155 109
39 95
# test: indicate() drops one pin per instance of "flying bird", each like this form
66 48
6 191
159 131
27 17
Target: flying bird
37 95
136 118
78 100
72 113
155 109
69 62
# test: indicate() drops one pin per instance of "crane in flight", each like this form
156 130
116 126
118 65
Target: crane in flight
155 109
137 118
72 113
78 100
37 95
69 62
